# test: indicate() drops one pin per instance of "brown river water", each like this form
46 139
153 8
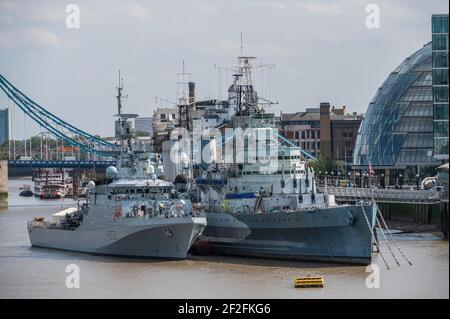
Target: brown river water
27 272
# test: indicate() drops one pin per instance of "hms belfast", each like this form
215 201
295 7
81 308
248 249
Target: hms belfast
272 208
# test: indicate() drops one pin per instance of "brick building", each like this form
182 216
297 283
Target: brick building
325 130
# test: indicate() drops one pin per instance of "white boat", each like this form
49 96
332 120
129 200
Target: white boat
52 183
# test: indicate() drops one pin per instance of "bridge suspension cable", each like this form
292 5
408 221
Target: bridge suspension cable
56 126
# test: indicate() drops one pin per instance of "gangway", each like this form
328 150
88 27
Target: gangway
351 194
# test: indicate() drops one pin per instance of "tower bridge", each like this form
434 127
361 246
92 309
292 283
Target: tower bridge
60 164
61 130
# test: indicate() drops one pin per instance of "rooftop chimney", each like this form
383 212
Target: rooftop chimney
191 100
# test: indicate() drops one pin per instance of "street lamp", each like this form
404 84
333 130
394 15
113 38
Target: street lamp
417 181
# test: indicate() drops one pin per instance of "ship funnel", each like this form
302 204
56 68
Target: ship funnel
191 86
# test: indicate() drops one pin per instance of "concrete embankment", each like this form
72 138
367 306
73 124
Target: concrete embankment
3 183
416 217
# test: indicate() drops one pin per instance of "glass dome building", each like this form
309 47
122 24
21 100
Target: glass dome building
397 130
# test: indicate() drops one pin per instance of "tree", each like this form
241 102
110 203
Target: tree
4 151
142 133
326 164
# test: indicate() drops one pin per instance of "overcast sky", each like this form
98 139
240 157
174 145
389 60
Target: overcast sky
322 51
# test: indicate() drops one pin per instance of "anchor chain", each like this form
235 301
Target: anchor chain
392 237
387 241
374 237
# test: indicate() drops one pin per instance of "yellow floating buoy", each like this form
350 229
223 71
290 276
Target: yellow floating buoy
309 282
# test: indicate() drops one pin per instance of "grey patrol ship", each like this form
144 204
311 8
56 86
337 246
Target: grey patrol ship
136 215
276 212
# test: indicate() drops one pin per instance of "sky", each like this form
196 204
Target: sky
319 51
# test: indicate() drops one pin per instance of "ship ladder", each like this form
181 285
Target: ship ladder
373 236
394 242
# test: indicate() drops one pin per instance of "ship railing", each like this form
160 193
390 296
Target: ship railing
162 215
43 224
386 194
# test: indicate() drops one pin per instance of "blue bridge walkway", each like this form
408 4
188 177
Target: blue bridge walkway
60 164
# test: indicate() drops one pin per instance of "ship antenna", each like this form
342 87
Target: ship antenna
119 95
242 48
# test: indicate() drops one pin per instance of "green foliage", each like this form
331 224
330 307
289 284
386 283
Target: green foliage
4 151
326 164
141 133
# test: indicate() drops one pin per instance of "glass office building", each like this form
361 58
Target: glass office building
439 27
4 126
397 130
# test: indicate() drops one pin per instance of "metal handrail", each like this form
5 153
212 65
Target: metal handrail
386 194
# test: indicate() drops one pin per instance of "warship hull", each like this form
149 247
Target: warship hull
337 234
163 238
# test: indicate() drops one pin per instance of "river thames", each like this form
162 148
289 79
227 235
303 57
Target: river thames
27 272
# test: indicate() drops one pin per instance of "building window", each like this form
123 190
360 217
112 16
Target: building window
441 111
440 42
303 135
439 24
440 59
440 94
297 135
440 77
313 134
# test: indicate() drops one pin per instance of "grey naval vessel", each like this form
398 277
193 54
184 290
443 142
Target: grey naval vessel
136 215
275 210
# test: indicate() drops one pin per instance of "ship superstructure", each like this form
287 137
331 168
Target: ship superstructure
135 215
264 202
